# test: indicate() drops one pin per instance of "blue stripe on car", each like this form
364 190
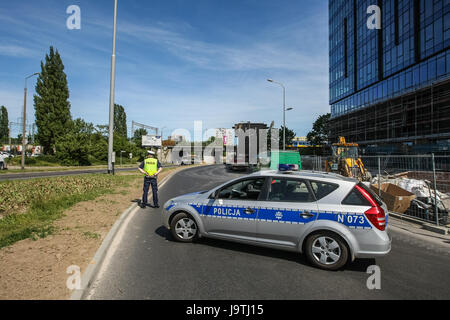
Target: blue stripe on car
282 215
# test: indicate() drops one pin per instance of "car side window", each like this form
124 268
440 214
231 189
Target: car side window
249 189
322 189
289 190
355 198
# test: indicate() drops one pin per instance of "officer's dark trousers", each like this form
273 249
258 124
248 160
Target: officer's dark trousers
154 183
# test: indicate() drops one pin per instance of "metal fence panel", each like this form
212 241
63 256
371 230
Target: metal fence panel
425 176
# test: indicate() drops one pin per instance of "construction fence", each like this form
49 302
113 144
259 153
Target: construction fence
411 185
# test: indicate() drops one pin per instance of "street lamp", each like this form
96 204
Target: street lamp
284 111
25 120
111 94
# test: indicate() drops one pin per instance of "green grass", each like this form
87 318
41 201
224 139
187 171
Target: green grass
40 213
45 169
91 235
44 200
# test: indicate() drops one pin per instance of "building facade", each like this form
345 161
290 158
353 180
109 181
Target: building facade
390 87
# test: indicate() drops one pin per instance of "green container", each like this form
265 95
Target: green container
285 157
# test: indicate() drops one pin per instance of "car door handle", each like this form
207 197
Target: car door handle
306 214
249 211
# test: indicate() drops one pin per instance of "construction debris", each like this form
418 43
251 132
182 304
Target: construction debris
413 197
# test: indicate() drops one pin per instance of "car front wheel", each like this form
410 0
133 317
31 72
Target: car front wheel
184 228
326 250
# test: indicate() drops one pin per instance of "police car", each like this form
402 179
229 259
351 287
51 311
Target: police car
329 218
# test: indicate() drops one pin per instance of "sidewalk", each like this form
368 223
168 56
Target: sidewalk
418 232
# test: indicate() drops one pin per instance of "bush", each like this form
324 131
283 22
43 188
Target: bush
47 158
72 149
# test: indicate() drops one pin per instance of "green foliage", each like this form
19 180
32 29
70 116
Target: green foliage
320 131
30 214
40 161
4 124
120 121
52 108
72 149
137 136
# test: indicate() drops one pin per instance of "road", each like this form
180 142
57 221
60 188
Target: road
147 264
43 174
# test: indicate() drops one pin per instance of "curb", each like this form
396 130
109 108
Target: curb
425 225
94 265
96 262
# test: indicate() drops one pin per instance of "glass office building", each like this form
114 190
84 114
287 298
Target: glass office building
390 85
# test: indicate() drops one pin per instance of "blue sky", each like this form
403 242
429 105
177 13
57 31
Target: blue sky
177 60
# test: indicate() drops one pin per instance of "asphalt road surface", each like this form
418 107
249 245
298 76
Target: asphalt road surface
148 264
44 174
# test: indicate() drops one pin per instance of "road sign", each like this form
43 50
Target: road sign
151 141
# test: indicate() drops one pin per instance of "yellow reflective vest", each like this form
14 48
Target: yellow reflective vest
151 166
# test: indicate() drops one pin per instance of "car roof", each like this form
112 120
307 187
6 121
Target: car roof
308 174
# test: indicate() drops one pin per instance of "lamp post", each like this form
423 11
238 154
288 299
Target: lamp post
111 94
284 111
24 128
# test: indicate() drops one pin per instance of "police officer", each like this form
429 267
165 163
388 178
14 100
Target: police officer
151 167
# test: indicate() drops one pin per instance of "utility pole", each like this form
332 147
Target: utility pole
284 111
9 136
24 127
111 95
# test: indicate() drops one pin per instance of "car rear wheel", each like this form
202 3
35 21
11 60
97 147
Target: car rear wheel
184 228
326 250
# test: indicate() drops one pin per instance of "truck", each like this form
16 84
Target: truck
244 160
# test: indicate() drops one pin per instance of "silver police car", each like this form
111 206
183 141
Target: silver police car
329 218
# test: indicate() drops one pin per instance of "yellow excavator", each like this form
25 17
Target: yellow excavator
346 162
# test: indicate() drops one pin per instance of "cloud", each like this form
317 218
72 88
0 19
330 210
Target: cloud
16 51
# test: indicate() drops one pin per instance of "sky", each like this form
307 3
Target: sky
177 61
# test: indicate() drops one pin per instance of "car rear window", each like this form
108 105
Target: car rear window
322 189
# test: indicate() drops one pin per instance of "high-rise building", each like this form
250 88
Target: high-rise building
390 86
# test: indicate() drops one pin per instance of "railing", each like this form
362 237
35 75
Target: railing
417 186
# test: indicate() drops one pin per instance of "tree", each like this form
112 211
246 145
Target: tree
73 147
4 124
51 104
137 136
120 121
320 131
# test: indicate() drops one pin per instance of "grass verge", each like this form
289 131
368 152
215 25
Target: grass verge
30 207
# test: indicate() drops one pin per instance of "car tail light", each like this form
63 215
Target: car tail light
375 214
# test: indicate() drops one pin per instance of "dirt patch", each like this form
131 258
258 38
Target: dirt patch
36 269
